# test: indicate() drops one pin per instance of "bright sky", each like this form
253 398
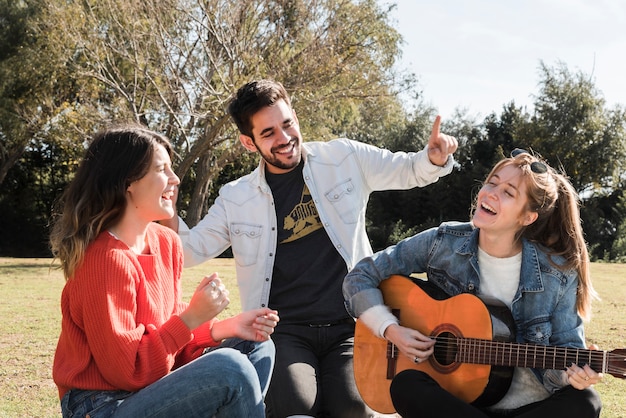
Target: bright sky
481 54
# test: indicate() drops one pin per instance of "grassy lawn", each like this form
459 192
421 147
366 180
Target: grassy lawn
30 308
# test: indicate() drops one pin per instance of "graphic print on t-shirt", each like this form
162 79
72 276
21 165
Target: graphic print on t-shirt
307 266
303 218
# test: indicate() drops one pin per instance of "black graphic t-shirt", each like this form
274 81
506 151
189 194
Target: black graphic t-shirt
308 270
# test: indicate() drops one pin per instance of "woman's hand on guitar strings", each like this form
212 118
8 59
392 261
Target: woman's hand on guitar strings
583 377
413 344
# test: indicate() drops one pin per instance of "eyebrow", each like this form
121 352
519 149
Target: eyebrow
509 183
266 130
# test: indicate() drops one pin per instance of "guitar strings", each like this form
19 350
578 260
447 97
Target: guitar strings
472 350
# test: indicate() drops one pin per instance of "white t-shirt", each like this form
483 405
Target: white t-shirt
499 278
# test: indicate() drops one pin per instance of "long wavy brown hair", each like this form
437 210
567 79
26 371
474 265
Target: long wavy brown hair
96 197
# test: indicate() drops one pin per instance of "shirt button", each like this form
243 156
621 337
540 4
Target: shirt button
470 286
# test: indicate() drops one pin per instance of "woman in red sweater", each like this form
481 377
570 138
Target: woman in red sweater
129 346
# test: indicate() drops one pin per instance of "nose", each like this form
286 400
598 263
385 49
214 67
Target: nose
173 178
283 136
490 192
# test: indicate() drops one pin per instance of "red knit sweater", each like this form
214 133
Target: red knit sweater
120 326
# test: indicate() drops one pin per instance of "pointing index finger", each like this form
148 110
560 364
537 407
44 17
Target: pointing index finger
435 132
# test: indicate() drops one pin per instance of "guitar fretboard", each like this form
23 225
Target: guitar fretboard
469 350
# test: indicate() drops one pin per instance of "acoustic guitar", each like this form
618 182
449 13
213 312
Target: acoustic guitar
474 353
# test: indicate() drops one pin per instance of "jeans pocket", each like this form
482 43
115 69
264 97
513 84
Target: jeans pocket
92 403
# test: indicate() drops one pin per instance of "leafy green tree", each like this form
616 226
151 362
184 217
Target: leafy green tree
571 127
173 65
37 98
574 130
15 84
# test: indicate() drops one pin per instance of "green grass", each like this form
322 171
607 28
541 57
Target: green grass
31 320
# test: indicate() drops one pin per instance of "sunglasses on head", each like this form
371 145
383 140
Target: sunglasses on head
536 167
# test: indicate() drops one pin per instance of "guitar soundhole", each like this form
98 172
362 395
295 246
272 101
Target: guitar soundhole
446 348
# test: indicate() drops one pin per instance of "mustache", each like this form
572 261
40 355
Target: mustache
289 144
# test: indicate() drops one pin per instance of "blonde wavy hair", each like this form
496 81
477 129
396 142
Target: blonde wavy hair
558 226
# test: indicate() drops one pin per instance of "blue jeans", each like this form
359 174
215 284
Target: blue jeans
228 381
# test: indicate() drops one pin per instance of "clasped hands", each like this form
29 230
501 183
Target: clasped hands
211 298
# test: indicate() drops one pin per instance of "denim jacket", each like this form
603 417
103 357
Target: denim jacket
340 174
544 306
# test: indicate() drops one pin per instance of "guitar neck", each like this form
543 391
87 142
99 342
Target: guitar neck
510 354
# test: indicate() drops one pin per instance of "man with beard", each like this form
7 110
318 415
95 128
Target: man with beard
296 226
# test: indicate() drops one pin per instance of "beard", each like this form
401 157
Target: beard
274 158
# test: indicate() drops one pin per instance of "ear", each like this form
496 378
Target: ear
247 142
529 217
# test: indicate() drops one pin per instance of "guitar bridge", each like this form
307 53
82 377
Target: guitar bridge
392 353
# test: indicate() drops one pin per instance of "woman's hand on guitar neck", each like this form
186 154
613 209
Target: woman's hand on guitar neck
583 377
413 344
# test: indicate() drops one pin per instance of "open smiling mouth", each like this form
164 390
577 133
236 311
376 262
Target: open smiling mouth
287 149
488 208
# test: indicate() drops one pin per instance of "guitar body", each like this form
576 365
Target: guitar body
377 361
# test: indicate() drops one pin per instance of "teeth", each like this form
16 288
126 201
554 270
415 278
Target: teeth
488 208
286 150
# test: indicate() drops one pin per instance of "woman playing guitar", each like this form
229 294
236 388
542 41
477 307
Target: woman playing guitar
525 247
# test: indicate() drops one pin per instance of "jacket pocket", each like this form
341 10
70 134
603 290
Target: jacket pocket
343 198
538 331
245 241
450 285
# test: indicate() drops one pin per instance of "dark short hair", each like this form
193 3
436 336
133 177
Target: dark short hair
251 98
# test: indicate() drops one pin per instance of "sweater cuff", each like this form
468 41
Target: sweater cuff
378 318
178 331
202 335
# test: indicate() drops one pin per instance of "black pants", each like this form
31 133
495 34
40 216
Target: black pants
314 374
416 395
